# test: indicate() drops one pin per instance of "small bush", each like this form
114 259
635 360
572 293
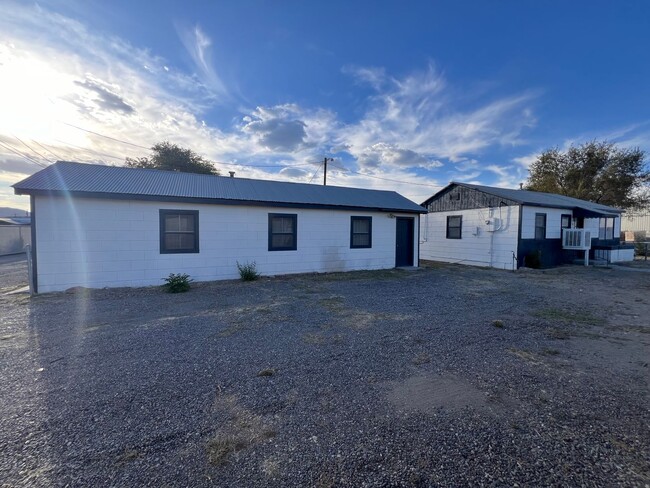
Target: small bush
639 237
247 271
177 283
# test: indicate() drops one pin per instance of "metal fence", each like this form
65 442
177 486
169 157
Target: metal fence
636 222
14 238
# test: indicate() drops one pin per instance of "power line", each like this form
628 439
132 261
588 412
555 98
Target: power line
107 137
106 155
387 179
18 153
314 175
48 150
32 149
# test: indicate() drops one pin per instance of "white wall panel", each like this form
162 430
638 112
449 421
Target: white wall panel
109 243
477 246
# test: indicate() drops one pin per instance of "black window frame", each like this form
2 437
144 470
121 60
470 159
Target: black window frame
352 233
459 226
294 217
164 213
540 226
562 226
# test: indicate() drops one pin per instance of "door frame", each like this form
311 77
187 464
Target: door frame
411 239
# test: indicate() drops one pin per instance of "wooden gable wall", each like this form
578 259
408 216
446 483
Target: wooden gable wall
462 198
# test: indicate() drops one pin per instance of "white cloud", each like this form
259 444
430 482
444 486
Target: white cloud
527 160
70 74
382 154
418 113
198 45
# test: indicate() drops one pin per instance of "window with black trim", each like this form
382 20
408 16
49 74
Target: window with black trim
540 226
454 227
566 221
179 231
283 235
360 232
606 228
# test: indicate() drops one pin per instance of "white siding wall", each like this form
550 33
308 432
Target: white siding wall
478 246
107 243
554 223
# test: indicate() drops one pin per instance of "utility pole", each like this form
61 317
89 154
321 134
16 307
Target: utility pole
325 160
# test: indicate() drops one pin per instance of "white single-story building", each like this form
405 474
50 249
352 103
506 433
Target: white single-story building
506 228
15 234
104 226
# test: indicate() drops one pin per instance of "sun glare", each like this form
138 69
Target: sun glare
34 96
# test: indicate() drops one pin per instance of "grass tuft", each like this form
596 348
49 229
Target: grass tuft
266 372
248 271
498 324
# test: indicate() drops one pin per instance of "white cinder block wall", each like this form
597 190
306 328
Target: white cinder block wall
109 243
477 246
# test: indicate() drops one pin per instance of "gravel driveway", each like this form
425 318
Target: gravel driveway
440 376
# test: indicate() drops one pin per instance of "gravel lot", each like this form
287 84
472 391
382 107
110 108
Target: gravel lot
441 376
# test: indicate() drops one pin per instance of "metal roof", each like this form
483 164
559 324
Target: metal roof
15 220
538 199
118 182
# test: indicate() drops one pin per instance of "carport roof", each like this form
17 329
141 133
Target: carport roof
92 180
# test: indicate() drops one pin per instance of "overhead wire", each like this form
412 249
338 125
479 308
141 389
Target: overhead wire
48 150
315 173
31 148
18 153
386 179
105 136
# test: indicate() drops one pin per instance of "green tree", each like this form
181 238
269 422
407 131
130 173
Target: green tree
172 157
595 171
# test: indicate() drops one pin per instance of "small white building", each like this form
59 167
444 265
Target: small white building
506 228
103 226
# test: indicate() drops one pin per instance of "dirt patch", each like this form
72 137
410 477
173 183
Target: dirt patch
427 393
241 430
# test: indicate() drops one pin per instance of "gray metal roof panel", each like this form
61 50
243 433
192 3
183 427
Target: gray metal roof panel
540 199
65 176
543 199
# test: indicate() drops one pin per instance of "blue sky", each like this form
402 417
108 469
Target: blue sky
403 95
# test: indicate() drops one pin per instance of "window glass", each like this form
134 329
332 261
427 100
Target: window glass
454 227
179 231
566 221
361 232
282 232
540 226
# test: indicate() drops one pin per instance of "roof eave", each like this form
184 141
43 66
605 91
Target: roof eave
210 201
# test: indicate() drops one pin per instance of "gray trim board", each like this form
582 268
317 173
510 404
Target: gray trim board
32 205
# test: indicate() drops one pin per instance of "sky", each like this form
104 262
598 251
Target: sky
404 96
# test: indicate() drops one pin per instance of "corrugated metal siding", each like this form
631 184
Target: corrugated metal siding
90 178
636 222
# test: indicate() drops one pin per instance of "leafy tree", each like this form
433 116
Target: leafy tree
172 157
595 171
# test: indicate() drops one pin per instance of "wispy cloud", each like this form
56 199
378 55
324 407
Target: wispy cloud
410 127
418 113
199 46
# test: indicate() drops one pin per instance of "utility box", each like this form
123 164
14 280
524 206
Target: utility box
493 224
